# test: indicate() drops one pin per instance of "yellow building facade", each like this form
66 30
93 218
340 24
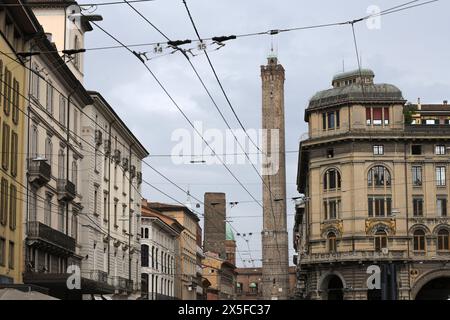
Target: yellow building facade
16 28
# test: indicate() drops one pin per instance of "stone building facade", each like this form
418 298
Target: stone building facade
376 193
187 255
17 27
159 243
111 177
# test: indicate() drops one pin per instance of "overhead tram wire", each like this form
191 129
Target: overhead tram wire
204 86
96 4
178 108
215 104
267 185
87 214
395 9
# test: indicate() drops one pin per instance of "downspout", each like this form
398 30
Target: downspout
27 215
130 217
109 196
68 149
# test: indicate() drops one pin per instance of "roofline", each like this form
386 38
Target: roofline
164 224
63 69
98 95
172 207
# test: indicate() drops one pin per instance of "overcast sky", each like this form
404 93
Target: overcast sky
410 50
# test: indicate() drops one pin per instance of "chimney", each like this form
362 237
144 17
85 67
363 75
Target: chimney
214 226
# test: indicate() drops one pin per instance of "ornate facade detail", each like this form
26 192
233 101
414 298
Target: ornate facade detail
375 224
335 226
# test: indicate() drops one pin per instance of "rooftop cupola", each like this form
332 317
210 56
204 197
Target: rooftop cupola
364 76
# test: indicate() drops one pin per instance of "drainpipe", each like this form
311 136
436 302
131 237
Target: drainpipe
129 214
109 195
68 149
27 209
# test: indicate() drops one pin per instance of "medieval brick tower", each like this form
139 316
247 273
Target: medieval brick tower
274 235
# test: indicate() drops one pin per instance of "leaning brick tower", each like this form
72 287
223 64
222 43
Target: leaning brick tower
275 264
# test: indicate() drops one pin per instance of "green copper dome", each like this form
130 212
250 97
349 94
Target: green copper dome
229 233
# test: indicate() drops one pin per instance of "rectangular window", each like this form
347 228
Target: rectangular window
16 102
418 207
75 123
377 116
441 207
7 91
324 121
62 110
331 120
11 255
48 210
115 214
35 79
95 200
49 102
74 225
4 202
5 146
416 149
417 175
12 207
105 207
331 209
2 252
440 176
439 150
61 218
386 116
14 153
368 116
379 206
378 150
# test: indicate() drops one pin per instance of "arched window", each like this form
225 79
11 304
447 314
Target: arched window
419 240
331 242
378 176
144 255
156 258
380 240
61 164
443 240
331 180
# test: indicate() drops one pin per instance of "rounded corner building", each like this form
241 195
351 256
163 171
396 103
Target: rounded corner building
374 222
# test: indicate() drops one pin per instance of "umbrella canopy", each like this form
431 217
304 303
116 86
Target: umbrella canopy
14 294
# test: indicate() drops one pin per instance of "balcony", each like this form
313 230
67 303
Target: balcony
122 284
99 275
66 190
41 235
39 172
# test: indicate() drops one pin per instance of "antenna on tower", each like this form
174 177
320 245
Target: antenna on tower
273 49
